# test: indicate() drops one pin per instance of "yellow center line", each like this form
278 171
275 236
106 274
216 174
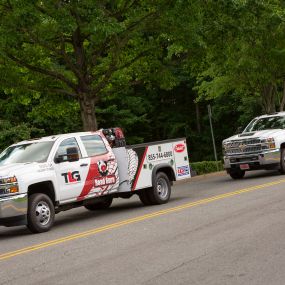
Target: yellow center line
135 220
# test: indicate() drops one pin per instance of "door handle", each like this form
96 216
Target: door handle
83 164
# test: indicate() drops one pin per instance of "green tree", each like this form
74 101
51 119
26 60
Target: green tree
80 49
243 51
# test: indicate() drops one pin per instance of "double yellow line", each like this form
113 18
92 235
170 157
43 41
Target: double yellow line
135 220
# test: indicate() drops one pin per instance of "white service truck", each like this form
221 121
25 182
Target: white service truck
42 177
260 146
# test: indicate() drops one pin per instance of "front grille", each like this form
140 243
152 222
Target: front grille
244 146
3 190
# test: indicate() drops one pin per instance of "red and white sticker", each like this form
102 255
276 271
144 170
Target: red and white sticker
179 147
104 180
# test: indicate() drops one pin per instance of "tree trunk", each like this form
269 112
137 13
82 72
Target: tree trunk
87 109
268 99
282 104
198 118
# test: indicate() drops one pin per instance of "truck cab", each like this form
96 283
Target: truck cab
68 168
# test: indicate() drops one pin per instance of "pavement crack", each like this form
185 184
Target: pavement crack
176 268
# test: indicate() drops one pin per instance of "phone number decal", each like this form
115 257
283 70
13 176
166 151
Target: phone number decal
159 155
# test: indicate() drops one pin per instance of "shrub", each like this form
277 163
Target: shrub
204 167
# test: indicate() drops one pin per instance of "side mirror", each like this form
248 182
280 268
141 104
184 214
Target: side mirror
72 154
58 159
239 130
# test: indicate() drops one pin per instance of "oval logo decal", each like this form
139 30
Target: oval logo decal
179 147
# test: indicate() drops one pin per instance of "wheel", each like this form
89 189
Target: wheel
40 213
144 196
282 161
102 205
237 174
161 189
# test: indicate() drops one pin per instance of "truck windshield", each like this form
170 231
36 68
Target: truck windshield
30 152
268 123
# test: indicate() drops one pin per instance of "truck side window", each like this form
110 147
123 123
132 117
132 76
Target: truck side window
64 145
94 145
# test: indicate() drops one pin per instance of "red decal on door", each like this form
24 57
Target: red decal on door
140 168
70 178
92 172
179 147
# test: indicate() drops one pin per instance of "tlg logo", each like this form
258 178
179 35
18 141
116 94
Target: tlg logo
71 177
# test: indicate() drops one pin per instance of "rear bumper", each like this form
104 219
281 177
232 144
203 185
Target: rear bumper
13 210
264 160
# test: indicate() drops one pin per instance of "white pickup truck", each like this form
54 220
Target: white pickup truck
260 146
41 177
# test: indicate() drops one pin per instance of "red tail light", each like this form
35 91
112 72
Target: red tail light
115 137
119 133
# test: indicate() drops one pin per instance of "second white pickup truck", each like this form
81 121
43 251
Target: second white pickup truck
260 146
44 176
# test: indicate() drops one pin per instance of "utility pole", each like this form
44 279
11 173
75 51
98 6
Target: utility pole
212 132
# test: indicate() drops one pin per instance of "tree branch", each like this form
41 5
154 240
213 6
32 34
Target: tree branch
41 70
125 36
62 91
69 62
129 63
136 23
104 81
43 11
113 68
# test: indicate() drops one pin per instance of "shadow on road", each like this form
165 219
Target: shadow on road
71 217
250 175
14 232
262 174
121 208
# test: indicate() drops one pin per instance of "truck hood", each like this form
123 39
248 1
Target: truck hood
16 169
257 134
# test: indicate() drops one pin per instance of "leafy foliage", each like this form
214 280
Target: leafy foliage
150 67
243 46
81 49
204 167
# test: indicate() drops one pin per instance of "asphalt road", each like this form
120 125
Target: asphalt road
213 231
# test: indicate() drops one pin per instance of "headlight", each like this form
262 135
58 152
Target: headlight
225 147
271 143
8 185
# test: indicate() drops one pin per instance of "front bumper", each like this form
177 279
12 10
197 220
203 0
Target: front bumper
13 210
264 160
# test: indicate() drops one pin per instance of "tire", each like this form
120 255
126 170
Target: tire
100 205
282 161
237 174
40 213
161 190
144 196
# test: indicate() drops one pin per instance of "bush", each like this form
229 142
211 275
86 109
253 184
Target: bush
204 167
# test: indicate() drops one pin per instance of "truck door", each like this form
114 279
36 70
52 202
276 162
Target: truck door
102 177
71 175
